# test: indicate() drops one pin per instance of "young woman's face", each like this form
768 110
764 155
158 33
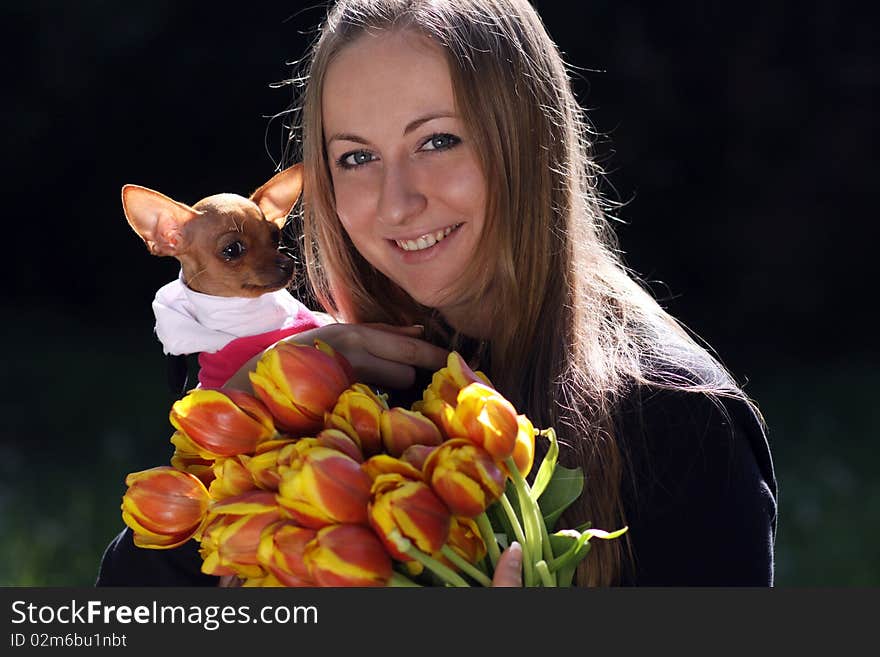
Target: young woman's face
409 190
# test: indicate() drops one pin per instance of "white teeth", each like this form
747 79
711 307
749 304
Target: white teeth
425 241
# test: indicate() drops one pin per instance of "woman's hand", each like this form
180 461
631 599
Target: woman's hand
508 571
380 354
230 582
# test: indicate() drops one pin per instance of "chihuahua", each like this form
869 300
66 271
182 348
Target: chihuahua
230 300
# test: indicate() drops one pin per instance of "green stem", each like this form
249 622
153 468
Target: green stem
528 566
534 526
465 565
401 580
445 573
488 534
547 548
547 578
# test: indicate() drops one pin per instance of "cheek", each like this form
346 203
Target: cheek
463 189
354 205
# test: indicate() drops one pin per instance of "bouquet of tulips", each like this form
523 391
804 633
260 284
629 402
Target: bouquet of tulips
315 481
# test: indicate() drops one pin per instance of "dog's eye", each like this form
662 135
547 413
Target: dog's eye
233 251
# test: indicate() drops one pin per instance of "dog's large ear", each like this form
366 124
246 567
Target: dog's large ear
277 197
159 220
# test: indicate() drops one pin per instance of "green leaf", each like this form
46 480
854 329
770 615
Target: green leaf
565 573
565 486
548 465
572 547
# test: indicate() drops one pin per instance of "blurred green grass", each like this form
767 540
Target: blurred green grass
83 412
80 413
825 435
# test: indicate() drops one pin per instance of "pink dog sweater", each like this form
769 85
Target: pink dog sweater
226 332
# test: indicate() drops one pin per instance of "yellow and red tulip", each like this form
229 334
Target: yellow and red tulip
249 503
443 416
340 441
464 476
323 486
387 464
416 455
347 555
231 535
448 380
164 506
264 466
410 507
281 549
300 383
465 540
267 581
489 420
222 423
187 459
524 449
357 412
402 428
341 360
231 477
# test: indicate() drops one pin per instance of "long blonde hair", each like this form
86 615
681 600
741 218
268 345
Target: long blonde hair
585 331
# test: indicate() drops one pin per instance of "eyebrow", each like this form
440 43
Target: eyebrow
412 125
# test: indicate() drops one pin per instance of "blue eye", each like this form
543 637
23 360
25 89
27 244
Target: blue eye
355 159
440 142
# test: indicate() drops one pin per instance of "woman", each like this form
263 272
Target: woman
448 185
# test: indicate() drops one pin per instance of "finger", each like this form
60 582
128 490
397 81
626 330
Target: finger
381 372
229 581
405 349
377 355
508 571
415 330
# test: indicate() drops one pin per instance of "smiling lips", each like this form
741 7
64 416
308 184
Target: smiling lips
425 241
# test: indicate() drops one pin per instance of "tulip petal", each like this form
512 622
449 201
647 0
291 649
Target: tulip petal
165 501
447 381
340 441
216 424
231 477
401 428
357 411
489 420
416 455
386 464
409 507
325 487
281 549
253 407
464 476
287 414
347 555
251 502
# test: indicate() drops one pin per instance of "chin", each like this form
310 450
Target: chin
435 300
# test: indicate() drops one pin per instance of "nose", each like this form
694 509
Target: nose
400 198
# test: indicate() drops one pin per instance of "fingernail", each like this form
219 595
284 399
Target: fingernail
515 555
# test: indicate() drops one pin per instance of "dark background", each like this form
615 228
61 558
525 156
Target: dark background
739 136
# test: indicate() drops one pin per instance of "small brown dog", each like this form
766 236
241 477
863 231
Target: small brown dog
230 301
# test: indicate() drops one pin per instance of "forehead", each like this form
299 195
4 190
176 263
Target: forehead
235 213
385 77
